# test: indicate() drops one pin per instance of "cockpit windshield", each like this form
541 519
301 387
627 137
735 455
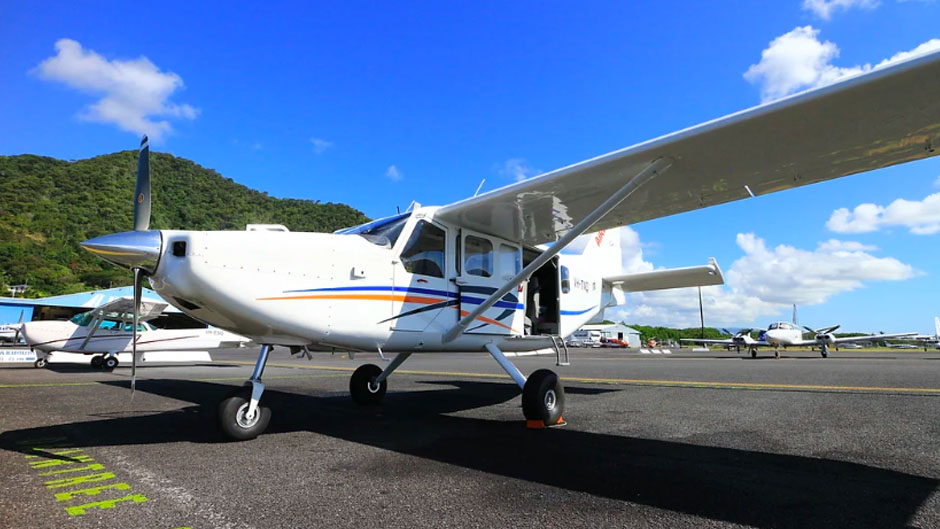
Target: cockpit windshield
82 320
382 232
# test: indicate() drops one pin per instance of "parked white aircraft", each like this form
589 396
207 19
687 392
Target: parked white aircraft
10 332
928 340
108 330
466 276
789 335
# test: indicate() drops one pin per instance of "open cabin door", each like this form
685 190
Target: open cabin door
485 264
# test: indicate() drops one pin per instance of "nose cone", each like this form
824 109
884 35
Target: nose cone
131 249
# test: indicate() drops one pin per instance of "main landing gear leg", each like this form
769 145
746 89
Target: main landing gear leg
240 415
543 396
368 382
824 350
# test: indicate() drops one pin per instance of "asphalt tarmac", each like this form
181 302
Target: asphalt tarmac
666 440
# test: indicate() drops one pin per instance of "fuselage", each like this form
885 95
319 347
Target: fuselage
783 334
396 285
66 336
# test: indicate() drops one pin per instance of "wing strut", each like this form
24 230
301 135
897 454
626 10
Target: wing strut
658 166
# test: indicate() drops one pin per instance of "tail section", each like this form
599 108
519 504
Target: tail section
936 324
603 252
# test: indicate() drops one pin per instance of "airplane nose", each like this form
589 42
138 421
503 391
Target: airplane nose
130 249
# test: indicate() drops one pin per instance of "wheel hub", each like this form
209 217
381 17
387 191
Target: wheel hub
550 400
243 419
373 388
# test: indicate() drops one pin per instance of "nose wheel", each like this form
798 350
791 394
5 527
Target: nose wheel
238 421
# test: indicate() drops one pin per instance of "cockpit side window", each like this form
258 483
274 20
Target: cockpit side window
424 253
565 280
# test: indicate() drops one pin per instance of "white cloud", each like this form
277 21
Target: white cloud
762 283
320 146
516 168
921 217
825 8
393 174
132 92
798 60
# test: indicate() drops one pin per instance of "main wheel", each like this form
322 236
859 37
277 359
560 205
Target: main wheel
110 363
234 420
362 385
543 397
40 363
97 361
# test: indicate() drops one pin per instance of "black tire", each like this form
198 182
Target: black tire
753 353
40 363
543 397
97 361
361 385
824 353
109 363
232 419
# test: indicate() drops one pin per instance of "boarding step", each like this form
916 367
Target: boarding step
561 359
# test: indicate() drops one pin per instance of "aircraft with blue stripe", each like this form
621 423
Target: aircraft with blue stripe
486 274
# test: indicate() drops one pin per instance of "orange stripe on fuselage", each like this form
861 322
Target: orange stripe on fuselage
385 297
365 297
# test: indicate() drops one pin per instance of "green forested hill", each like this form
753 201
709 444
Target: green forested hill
48 206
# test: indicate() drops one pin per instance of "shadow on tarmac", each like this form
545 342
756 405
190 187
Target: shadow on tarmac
738 486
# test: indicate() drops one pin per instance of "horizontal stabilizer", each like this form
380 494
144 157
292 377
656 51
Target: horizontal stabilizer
690 276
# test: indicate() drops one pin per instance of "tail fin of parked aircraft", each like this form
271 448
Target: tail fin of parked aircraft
936 324
794 314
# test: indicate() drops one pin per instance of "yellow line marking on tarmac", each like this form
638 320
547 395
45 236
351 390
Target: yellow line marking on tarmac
641 381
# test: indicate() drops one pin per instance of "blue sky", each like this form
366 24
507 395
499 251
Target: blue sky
376 106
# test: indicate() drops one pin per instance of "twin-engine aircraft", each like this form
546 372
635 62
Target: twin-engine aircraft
788 334
484 274
108 330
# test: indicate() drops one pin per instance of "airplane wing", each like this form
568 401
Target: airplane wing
888 116
690 276
874 337
707 341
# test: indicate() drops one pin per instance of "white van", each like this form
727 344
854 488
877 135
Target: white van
587 338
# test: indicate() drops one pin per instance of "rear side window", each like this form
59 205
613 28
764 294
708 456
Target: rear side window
565 280
479 256
424 253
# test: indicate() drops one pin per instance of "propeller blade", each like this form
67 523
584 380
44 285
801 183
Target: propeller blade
142 191
811 331
138 277
19 328
833 328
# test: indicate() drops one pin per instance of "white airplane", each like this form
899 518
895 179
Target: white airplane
739 340
927 340
789 335
10 332
108 330
466 276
